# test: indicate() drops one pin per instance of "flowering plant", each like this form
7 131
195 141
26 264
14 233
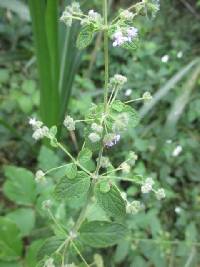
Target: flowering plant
105 126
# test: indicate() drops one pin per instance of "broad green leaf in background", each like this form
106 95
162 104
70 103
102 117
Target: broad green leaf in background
24 219
47 159
111 202
85 36
20 185
32 252
102 234
10 264
49 247
10 241
75 188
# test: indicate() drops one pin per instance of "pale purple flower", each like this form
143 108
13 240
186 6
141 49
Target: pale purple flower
122 36
111 139
132 33
119 39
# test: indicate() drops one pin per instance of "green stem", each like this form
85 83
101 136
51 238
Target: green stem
105 14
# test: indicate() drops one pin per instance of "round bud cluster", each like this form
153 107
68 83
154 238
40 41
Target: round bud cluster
132 158
125 167
67 15
134 207
160 194
126 15
111 139
92 18
46 204
124 35
104 162
147 186
97 128
118 79
147 97
121 123
94 137
40 131
40 176
49 263
69 123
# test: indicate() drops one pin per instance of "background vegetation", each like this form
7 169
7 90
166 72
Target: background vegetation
167 64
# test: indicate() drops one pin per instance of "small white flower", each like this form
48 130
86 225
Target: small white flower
165 58
134 207
147 96
146 188
39 176
128 92
49 263
177 151
35 124
127 15
46 204
149 181
94 137
178 210
94 16
97 128
118 79
180 54
125 167
160 194
169 141
40 133
69 123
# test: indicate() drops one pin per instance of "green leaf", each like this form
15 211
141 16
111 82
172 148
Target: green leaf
84 156
71 170
73 188
20 186
10 264
104 186
24 219
47 159
111 202
50 246
32 252
100 234
131 45
10 241
85 36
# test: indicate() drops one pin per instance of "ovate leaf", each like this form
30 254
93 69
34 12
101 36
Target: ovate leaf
50 246
111 201
20 185
85 36
100 234
131 45
10 241
71 170
73 188
24 219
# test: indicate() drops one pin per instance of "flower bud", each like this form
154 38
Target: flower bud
160 194
94 137
46 204
69 123
147 97
40 176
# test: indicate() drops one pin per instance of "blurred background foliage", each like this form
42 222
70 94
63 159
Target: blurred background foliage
167 64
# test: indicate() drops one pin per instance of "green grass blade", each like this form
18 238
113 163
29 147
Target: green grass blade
48 109
167 87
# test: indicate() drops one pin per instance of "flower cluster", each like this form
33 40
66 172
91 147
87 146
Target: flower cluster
92 18
147 186
40 176
111 139
126 15
69 123
70 12
124 35
117 79
40 131
147 97
134 207
95 136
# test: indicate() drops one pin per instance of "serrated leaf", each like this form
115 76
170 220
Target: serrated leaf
85 36
71 170
20 186
84 156
104 186
10 241
100 234
131 45
73 188
50 246
111 202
